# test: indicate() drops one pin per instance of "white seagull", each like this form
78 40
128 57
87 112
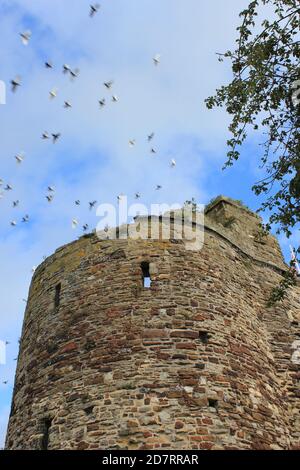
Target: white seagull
53 93
74 223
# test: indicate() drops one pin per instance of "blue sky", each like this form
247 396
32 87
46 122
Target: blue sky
92 160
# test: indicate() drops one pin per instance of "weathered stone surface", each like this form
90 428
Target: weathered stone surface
195 362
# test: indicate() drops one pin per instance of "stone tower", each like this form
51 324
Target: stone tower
195 361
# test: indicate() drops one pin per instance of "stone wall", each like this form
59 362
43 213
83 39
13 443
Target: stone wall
197 361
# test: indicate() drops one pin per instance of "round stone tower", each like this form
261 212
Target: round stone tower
145 344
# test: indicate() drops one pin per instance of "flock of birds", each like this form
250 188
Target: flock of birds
55 136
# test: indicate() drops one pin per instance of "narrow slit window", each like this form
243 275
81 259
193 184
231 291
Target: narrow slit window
146 275
46 425
57 295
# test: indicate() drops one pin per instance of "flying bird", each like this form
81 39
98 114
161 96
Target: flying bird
19 158
55 137
74 223
8 187
77 203
153 150
85 227
5 382
156 59
158 187
13 223
25 219
15 83
51 189
53 93
45 135
173 163
49 197
67 105
48 64
137 195
114 98
74 73
151 136
94 9
109 84
132 143
102 102
16 203
66 68
25 37
92 204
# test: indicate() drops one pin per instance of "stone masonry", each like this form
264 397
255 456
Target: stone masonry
196 361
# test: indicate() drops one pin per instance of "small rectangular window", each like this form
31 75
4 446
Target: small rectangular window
57 295
213 403
46 425
204 337
146 275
